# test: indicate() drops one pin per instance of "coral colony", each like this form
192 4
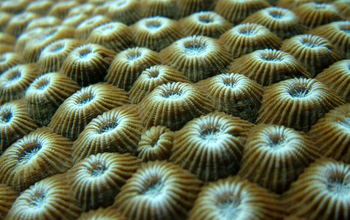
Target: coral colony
174 109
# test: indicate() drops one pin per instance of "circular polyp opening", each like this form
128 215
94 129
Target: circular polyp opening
338 185
299 92
29 153
153 24
229 82
247 31
210 134
229 208
109 126
98 170
276 14
43 84
133 55
5 116
205 19
38 200
194 48
84 53
275 141
153 188
345 27
270 57
15 76
55 48
85 99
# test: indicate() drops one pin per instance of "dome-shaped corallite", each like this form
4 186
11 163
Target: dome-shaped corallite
80 108
60 9
7 198
15 81
211 146
158 190
101 7
235 11
52 56
5 48
41 7
297 103
173 105
314 14
88 64
26 37
151 78
84 29
188 7
86 8
291 4
75 20
315 53
36 156
234 94
198 57
44 22
8 60
246 38
102 214
15 122
125 11
97 179
36 45
164 8
117 130
206 23
46 94
338 33
156 33
331 133
337 78
343 7
115 36
156 144
47 199
128 65
8 39
283 22
269 66
4 19
322 191
18 23
275 155
236 198
14 6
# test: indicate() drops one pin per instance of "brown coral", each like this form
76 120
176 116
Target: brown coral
275 155
331 133
38 155
80 108
269 66
211 146
173 105
117 130
236 198
315 53
158 189
97 179
234 94
46 94
198 57
297 103
246 38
